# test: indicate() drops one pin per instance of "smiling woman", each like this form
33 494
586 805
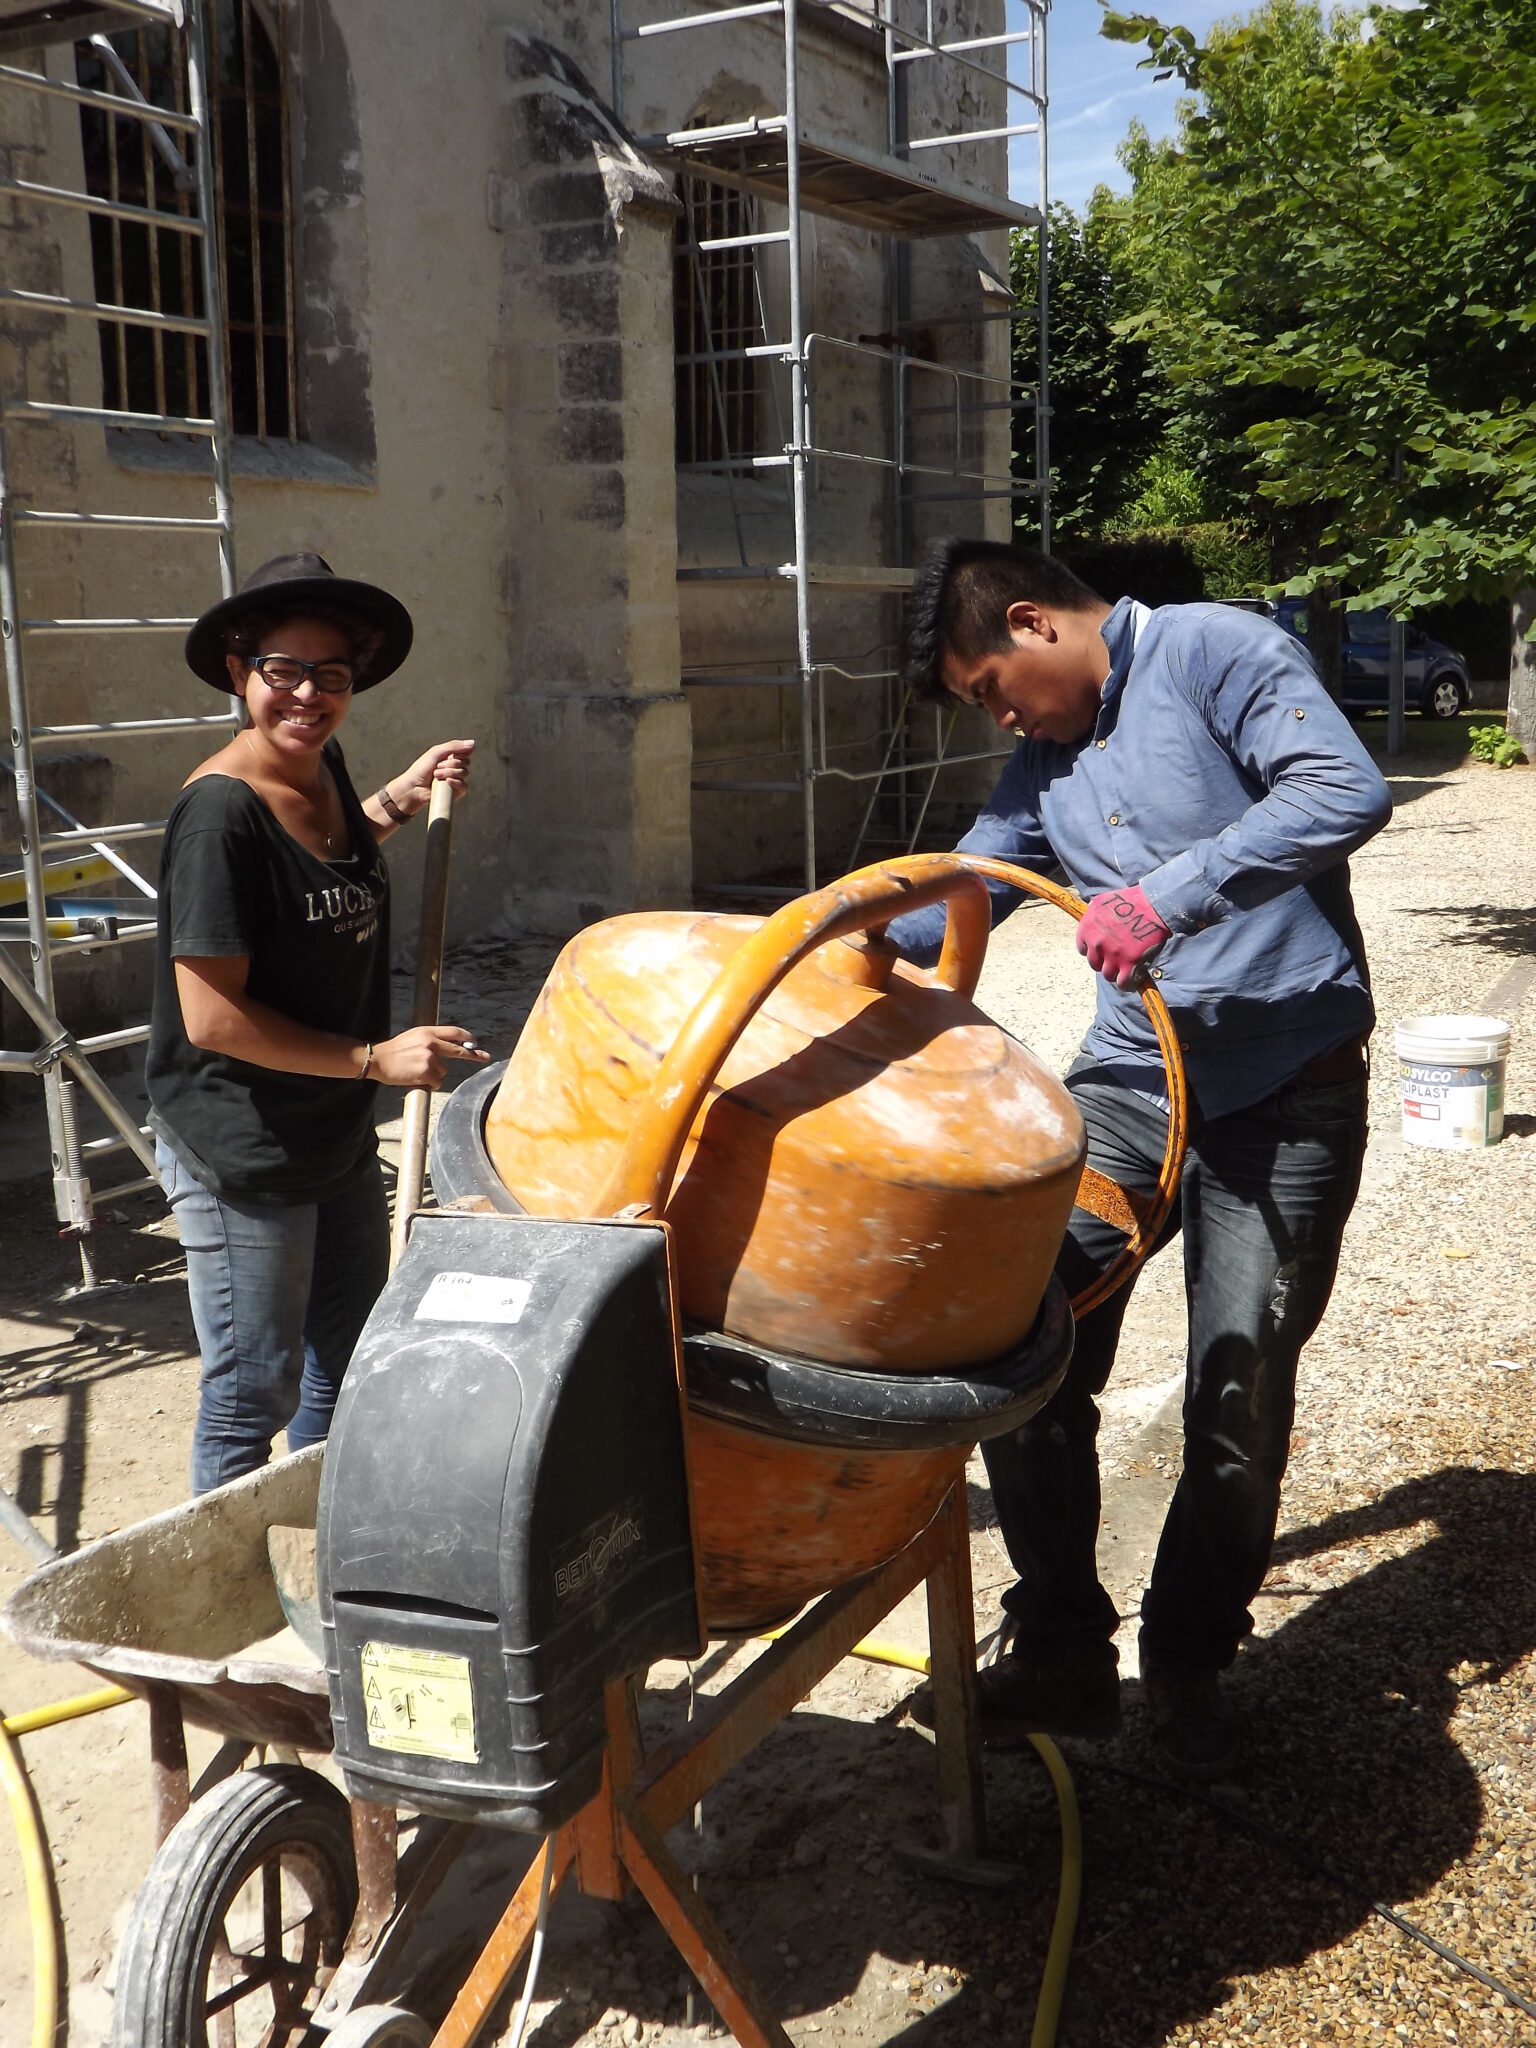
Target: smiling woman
271 1012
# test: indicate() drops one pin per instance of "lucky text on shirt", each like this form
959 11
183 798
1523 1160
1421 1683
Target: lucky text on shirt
351 907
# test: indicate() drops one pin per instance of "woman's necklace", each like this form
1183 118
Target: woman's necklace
315 812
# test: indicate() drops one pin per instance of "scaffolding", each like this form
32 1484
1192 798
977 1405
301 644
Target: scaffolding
905 193
57 868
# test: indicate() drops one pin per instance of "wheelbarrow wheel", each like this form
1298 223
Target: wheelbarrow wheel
242 1919
380 2026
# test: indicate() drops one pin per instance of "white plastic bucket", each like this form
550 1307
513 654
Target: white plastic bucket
1453 1080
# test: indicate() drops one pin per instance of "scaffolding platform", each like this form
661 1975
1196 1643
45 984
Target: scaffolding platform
819 575
885 194
26 25
926 418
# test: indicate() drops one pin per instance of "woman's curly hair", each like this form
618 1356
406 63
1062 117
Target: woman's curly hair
365 639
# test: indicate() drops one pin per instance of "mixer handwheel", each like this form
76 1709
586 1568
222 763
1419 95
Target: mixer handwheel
243 1917
380 2026
1139 1214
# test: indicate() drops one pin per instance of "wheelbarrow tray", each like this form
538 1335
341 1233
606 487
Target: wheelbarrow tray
175 1600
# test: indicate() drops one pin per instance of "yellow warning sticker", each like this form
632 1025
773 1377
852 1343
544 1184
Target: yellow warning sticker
419 1701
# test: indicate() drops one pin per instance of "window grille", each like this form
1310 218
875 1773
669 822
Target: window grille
715 316
150 369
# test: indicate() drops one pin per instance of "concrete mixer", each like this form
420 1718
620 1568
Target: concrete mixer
748 1244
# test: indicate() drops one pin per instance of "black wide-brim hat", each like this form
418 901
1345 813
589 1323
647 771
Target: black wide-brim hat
301 586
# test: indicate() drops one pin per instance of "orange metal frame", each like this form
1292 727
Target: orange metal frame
618 1838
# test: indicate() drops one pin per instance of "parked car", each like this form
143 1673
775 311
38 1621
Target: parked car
1436 677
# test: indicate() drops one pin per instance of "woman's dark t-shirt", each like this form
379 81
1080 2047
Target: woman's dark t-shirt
233 882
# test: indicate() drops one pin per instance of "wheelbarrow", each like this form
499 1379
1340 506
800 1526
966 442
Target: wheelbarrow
261 1873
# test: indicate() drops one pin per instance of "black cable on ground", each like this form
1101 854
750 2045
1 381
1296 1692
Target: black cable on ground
1309 1864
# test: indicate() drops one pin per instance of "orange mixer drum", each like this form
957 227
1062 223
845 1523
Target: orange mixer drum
879 1176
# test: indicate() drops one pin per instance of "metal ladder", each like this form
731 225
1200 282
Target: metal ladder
901 193
55 862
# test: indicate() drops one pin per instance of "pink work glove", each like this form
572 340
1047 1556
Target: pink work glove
1117 931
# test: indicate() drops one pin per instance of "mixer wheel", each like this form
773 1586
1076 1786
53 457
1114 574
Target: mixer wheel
243 1917
380 2026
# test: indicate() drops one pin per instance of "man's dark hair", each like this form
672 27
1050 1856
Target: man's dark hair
959 603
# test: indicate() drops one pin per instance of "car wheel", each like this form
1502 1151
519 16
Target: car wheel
1445 695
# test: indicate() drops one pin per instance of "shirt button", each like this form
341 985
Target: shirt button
1114 817
1157 974
1101 745
1300 713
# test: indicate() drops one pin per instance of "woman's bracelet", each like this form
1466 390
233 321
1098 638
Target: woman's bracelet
362 1072
391 808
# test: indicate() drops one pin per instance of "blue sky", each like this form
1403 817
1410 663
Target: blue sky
1096 91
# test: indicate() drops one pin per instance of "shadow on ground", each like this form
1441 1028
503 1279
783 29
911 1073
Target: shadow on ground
1407 789
1356 1792
62 1345
1506 928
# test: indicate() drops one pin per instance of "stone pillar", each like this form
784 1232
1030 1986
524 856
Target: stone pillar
596 731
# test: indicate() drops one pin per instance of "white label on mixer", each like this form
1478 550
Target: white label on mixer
473 1298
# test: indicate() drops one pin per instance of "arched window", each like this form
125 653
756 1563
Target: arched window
155 370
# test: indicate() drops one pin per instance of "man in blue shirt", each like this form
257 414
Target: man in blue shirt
1186 769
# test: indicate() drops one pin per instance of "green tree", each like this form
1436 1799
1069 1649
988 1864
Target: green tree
1335 259
1106 417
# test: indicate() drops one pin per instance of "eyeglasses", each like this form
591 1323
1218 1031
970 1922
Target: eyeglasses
286 672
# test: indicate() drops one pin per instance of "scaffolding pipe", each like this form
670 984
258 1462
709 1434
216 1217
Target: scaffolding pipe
59 1046
798 429
22 768
1043 404
165 148
218 383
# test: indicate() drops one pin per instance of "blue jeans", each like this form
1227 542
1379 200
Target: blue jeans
279 1299
1265 1196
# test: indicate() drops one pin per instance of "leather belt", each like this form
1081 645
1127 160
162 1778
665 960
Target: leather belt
1346 1062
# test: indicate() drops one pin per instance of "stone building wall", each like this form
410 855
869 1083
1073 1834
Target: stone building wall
484 274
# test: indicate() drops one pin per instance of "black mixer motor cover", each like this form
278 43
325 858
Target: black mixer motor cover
503 1522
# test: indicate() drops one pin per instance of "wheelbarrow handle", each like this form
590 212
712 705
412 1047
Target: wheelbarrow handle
867 899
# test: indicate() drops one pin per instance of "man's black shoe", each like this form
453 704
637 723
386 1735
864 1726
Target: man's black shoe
1070 1690
1192 1724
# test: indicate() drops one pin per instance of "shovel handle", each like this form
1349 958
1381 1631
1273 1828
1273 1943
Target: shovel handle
424 1009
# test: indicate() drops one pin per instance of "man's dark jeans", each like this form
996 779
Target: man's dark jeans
1265 1197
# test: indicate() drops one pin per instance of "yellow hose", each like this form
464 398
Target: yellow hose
1058 1956
42 1894
68 1710
42 1900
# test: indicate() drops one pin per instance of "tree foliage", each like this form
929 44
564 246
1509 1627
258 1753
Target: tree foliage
1106 417
1335 264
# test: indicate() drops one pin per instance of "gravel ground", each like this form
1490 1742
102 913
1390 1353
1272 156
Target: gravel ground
1387 1694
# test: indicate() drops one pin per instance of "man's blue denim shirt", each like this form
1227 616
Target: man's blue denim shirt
1222 777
